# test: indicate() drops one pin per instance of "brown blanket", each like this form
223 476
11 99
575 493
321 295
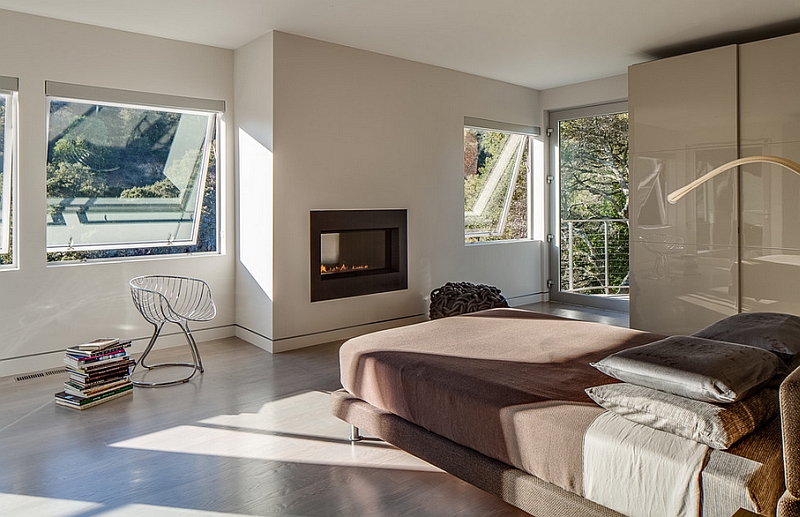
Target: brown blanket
507 383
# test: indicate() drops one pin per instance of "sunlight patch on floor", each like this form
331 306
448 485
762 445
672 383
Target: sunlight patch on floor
30 506
298 429
307 413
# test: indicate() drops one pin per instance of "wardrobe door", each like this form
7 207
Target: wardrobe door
769 104
683 123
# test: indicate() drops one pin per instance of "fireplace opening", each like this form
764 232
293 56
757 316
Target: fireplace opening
354 251
357 252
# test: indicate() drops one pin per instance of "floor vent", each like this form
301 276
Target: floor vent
37 375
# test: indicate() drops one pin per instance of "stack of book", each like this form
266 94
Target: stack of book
98 372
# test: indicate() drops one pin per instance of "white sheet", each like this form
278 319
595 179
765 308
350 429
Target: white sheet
639 471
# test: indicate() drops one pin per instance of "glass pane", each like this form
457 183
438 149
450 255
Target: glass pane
496 168
593 168
124 177
6 149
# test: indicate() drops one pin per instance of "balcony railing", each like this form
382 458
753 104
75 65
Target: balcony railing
594 256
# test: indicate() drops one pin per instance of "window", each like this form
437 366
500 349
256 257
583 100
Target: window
8 103
497 179
129 173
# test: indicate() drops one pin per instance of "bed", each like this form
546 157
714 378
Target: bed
498 398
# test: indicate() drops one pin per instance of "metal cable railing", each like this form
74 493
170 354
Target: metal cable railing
594 256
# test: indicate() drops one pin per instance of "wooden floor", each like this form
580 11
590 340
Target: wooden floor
580 312
252 436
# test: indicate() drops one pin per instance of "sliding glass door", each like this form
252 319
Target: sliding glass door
589 234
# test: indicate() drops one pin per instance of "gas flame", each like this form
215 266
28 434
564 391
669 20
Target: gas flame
340 269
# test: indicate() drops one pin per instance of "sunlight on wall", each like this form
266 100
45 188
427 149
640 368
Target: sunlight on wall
298 429
255 210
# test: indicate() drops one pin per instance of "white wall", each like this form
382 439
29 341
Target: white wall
45 309
355 129
253 77
589 93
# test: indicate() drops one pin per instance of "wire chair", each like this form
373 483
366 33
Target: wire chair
171 299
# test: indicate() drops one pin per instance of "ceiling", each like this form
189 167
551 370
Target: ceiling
534 43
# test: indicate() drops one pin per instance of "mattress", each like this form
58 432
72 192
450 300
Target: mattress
509 384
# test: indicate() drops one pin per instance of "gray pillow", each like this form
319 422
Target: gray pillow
717 425
773 331
693 367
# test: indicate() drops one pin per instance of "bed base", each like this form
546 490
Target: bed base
526 492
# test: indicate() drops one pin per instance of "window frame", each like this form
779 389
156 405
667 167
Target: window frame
98 96
9 86
529 132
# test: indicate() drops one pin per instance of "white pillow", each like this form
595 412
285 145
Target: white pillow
716 425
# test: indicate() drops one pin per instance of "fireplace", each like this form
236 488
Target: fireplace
357 252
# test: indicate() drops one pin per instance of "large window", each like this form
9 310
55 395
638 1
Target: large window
497 179
129 173
8 102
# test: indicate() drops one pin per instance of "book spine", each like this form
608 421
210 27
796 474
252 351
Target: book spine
88 392
102 367
84 355
95 402
78 401
80 362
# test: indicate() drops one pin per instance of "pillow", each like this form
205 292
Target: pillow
718 426
693 367
778 333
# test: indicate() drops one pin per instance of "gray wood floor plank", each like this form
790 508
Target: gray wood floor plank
252 436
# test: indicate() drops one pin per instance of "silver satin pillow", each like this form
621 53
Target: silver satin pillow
717 425
773 331
693 367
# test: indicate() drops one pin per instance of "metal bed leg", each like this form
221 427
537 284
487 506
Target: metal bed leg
355 434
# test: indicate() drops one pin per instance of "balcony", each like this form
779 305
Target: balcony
594 257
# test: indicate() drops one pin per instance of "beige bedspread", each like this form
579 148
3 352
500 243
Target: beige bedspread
507 383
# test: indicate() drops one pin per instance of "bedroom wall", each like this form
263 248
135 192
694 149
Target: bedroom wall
355 129
253 79
44 309
589 93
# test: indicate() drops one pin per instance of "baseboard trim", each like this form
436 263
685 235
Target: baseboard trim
47 360
516 301
276 346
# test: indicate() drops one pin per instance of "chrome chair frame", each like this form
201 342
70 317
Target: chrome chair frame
171 299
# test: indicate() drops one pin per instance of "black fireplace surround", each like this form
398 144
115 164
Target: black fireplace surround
358 252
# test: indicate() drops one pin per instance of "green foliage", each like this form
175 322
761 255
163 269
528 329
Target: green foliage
67 180
594 187
594 167
2 130
163 189
488 146
5 258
